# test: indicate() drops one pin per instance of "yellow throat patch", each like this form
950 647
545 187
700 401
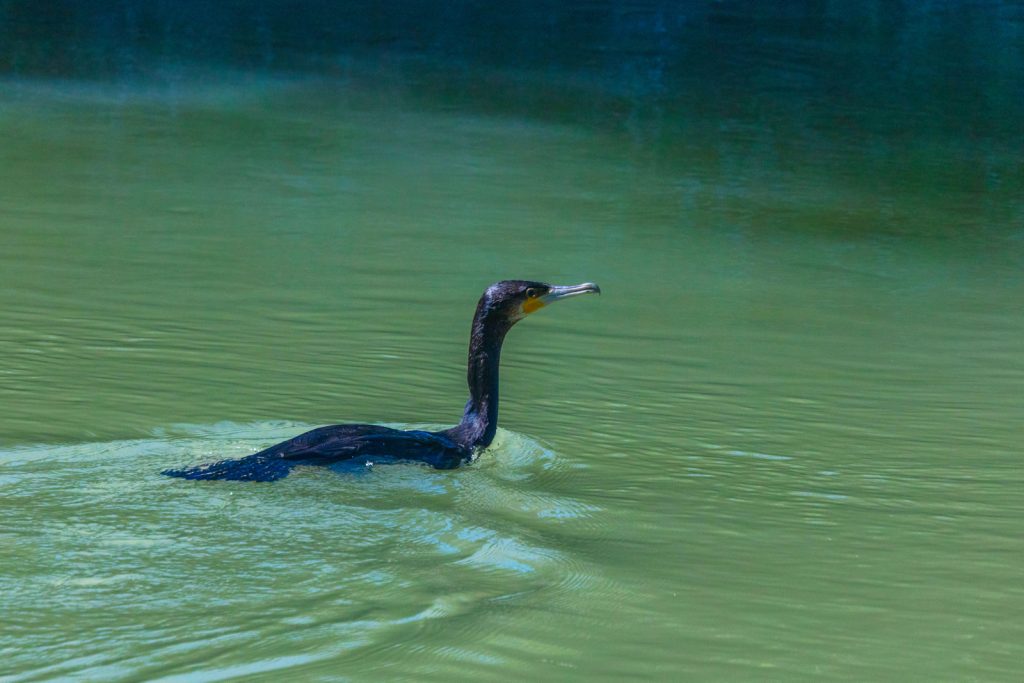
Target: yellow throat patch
531 305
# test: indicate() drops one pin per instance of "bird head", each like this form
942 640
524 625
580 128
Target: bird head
513 300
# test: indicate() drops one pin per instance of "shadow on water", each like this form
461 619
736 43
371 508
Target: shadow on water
752 94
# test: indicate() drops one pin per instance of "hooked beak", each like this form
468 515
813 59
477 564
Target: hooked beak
557 293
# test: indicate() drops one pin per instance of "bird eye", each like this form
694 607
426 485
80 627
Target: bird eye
531 293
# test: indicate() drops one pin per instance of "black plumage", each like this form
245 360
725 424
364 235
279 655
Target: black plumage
501 306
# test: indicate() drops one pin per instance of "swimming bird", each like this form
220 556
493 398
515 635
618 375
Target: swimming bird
502 305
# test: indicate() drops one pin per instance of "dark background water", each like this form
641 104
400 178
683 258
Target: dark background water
862 91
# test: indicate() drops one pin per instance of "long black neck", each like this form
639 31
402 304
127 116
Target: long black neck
480 420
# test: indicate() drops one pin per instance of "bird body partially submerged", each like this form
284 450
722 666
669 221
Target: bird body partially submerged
501 306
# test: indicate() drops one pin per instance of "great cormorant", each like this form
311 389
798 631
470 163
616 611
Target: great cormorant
502 305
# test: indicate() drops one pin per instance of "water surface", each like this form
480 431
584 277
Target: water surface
784 444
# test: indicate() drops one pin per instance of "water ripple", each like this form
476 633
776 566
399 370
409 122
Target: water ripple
317 567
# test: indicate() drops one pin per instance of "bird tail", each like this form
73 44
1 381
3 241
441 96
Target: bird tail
255 467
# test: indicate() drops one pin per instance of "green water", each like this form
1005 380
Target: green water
785 444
